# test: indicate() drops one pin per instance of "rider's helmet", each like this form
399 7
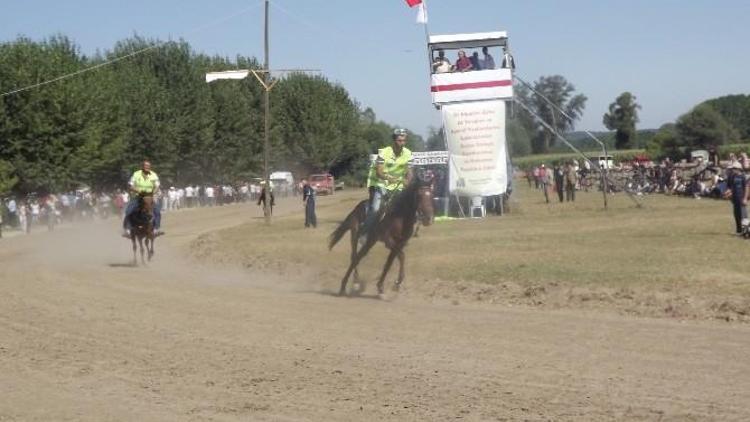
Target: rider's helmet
399 132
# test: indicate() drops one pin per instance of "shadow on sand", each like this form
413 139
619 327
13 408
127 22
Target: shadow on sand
128 264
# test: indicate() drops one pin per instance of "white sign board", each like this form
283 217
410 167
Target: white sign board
428 158
475 133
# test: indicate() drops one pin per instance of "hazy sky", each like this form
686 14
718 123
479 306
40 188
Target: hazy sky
671 54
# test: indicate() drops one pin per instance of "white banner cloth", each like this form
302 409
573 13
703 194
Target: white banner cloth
475 133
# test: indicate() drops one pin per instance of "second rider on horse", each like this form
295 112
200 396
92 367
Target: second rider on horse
142 182
389 174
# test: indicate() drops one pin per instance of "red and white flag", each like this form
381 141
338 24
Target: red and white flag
422 14
413 3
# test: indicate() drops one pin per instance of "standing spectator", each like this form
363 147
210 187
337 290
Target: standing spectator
244 192
475 61
119 202
219 194
228 194
34 211
738 193
545 179
488 62
189 196
200 195
210 195
508 61
263 193
571 178
308 198
24 217
172 199
559 181
13 213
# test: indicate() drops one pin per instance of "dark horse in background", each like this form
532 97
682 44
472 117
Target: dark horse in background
142 228
394 227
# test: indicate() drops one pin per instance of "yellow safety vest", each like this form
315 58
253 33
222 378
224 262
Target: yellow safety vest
395 166
144 182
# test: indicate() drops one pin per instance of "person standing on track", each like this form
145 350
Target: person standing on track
308 198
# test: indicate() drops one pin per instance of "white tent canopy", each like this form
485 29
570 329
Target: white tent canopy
475 40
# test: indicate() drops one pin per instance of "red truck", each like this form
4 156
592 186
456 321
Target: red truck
322 183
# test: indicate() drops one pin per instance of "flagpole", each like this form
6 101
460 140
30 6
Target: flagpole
427 43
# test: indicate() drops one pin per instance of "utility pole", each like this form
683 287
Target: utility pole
268 83
267 123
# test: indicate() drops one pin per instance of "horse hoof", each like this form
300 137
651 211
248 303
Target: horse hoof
396 287
381 296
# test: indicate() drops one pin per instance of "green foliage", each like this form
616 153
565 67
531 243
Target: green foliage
703 127
735 109
95 128
559 92
435 140
7 178
665 143
622 117
519 141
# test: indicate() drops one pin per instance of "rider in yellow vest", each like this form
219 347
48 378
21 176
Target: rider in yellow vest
389 174
142 181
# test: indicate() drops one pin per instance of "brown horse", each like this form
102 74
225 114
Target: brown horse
394 227
142 228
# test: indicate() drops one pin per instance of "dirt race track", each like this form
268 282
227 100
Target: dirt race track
85 337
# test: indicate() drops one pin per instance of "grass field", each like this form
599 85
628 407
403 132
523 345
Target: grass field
673 256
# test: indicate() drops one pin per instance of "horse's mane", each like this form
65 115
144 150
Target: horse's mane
403 205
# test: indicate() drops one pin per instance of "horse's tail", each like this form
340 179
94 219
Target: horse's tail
345 226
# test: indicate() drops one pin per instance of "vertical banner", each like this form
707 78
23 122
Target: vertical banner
475 132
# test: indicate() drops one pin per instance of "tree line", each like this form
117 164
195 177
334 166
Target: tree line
95 128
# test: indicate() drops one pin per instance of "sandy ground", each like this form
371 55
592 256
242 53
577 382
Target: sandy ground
83 336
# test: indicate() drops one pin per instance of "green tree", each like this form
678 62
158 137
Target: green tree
703 127
519 141
622 118
665 143
735 109
435 139
562 94
7 179
316 122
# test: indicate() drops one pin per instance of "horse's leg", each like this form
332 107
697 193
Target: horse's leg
135 250
150 245
140 245
354 262
354 243
401 259
386 267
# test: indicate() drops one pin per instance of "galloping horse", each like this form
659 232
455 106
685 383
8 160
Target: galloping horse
395 226
142 227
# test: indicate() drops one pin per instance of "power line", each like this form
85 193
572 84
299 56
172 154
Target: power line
129 55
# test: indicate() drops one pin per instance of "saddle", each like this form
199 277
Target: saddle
140 219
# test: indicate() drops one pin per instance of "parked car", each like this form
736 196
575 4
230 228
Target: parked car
322 183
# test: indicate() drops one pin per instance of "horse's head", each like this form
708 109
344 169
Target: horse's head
425 208
146 203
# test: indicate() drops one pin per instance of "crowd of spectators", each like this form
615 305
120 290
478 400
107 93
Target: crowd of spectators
466 63
700 178
23 213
